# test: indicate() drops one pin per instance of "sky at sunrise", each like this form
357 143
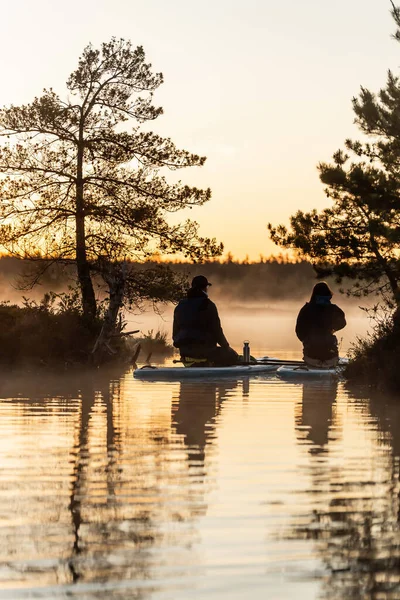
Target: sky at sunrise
262 88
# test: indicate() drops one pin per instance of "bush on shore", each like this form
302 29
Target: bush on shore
375 358
51 332
54 333
38 335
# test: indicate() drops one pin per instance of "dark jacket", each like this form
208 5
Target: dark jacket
316 323
196 322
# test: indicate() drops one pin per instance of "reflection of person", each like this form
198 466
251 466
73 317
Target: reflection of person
316 323
197 330
316 413
197 406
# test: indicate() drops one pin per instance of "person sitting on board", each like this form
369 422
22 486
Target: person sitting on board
316 323
197 330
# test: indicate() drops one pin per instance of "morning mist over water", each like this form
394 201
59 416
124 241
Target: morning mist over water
256 301
269 327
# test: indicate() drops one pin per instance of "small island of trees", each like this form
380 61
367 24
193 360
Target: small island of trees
83 184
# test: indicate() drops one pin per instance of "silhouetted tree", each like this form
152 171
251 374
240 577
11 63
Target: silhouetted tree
76 187
359 235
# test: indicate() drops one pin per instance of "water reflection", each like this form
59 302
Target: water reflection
103 482
194 412
354 505
64 458
105 393
315 413
129 496
114 488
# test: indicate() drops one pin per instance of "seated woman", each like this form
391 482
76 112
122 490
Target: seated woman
316 323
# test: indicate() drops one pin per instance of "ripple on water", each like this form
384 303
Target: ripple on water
253 488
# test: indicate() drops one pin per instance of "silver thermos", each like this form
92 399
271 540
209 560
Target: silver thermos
246 352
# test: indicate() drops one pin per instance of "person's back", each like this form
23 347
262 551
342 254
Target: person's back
316 323
197 328
196 321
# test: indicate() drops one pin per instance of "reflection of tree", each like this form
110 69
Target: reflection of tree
354 513
106 528
42 391
68 403
116 490
89 393
87 401
152 499
124 489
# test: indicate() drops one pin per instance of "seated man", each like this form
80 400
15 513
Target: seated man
197 330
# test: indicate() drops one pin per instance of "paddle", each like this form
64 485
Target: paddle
279 361
266 361
289 362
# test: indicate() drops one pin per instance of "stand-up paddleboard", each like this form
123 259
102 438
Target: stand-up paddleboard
306 372
154 373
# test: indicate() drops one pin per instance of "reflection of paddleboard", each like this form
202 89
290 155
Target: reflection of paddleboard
153 373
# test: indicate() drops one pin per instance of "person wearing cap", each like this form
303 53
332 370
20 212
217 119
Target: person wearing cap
197 330
315 327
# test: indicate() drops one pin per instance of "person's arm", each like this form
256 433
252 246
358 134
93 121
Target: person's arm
338 320
216 326
175 325
302 324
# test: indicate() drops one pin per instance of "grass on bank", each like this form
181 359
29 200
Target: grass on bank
38 335
153 342
53 333
374 359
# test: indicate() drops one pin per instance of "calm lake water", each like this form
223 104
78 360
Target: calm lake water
254 488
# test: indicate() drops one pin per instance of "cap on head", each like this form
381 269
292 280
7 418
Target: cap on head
200 282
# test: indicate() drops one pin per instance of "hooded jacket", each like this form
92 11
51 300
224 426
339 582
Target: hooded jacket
316 323
196 322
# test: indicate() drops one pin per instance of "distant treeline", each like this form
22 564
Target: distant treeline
272 278
269 278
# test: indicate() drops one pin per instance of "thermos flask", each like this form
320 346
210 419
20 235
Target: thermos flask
246 352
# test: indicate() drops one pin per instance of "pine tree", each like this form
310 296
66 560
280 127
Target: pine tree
358 236
78 186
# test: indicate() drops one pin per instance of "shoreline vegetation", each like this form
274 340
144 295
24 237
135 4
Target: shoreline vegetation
374 358
45 335
152 343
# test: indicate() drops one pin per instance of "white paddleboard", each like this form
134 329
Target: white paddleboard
304 372
153 373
